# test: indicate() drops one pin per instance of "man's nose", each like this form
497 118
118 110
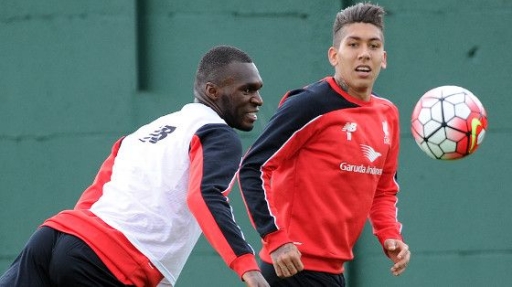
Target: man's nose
257 99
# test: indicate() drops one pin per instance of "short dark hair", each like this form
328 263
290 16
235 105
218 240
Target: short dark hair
358 13
215 60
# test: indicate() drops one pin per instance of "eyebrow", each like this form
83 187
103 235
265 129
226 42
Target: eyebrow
252 86
360 38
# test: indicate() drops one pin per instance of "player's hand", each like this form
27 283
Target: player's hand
254 279
399 253
286 260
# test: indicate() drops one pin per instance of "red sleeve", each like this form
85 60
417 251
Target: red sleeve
94 192
383 213
215 154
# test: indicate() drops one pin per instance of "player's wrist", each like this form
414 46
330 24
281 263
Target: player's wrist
244 264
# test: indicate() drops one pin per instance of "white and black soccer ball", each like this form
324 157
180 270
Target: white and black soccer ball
448 122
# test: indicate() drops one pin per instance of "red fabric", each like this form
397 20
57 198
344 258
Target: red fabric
126 263
210 228
320 183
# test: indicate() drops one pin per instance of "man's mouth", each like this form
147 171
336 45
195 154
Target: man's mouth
365 69
253 115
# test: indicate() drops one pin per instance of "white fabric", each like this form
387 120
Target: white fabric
149 187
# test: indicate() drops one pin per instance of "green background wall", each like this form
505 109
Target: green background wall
76 75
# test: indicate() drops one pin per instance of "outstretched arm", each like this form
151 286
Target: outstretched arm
215 153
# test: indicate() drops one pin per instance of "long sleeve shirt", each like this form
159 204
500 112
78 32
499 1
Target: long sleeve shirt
324 164
158 190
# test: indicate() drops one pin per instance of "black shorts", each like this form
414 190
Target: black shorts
305 278
52 258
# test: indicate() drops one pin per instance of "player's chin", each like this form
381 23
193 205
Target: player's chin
364 83
246 125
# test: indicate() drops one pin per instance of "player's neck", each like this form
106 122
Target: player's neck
360 94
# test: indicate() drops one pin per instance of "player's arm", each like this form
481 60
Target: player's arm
387 228
266 154
284 135
384 212
278 141
215 153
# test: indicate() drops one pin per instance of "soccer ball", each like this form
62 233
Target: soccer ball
448 122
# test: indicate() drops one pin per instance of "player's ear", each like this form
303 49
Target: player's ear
384 63
212 91
332 55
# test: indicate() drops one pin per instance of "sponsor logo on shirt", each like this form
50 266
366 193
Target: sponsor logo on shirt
158 135
371 155
349 128
385 128
361 168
